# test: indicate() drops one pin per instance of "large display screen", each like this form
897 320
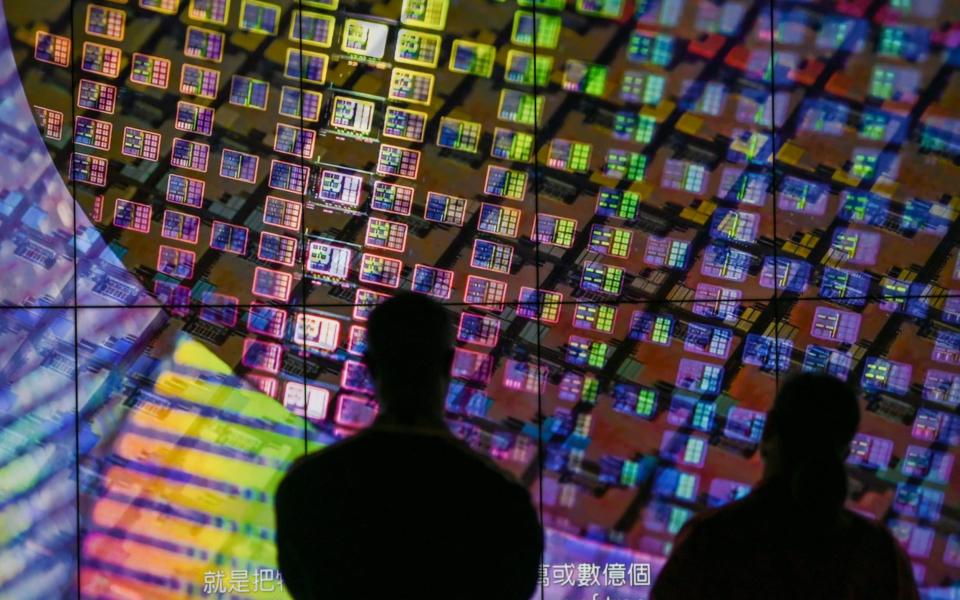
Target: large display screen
640 214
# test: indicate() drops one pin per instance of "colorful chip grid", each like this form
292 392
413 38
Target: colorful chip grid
652 193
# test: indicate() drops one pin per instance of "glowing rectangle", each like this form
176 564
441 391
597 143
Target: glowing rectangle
312 28
432 281
357 340
259 17
499 220
88 169
105 22
404 124
723 262
249 92
365 301
667 252
835 325
194 118
819 359
554 231
595 317
767 352
176 262
539 304
167 7
49 121
386 235
570 156
209 11
277 248
306 66
611 241
355 377
282 213
199 81
634 400
417 48
138 143
352 114
380 270
219 309
491 256
296 104
100 59
204 44
708 340
612 202
267 320
481 330
511 145
625 164
583 77
185 190
340 188
524 68
288 177
364 38
189 155
505 183
536 29
229 238
472 58
398 162
520 107
328 261
261 355
411 86
472 366
356 411
315 331
180 226
442 208
392 198
942 387
485 293
52 49
428 14
239 166
602 278
149 70
458 134
93 95
744 424
92 132
268 283
132 215
313 406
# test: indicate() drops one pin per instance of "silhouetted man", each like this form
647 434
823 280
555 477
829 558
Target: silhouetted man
404 509
791 537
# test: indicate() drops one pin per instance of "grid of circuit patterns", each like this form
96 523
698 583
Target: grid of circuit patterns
659 219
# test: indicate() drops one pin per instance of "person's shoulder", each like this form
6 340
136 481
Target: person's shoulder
873 533
328 456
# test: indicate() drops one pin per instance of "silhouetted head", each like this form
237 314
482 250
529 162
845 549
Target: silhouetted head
409 354
807 438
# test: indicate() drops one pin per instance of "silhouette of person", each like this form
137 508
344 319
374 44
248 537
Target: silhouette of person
791 537
404 509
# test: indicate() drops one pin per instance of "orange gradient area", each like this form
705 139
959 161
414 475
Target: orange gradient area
154 524
95 583
196 462
144 558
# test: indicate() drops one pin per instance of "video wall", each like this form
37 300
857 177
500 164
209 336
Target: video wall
641 214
